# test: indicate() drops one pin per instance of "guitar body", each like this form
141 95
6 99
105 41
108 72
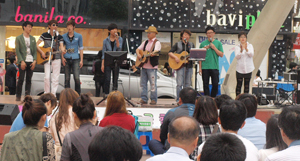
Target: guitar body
143 60
40 60
182 57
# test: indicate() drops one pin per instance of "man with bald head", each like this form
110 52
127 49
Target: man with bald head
183 138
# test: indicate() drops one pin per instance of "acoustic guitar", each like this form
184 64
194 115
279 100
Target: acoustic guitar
41 61
183 57
145 55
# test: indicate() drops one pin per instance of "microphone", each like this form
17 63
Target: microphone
116 34
210 39
185 40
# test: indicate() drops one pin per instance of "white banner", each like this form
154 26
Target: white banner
157 114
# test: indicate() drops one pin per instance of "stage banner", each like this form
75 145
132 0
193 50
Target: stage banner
157 114
229 41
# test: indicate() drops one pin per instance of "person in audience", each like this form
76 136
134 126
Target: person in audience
254 129
257 78
29 143
187 98
75 146
63 122
221 98
223 147
206 114
183 138
116 113
11 75
50 102
289 124
274 142
114 143
232 118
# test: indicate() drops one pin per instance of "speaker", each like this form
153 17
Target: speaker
8 113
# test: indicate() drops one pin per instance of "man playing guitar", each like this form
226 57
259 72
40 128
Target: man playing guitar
185 72
149 71
58 44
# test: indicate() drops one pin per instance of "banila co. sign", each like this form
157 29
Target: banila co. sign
45 18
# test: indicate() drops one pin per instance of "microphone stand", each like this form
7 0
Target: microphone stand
51 53
184 71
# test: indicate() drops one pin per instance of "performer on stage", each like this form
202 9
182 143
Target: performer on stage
210 67
112 43
72 58
149 69
26 54
244 53
58 44
184 74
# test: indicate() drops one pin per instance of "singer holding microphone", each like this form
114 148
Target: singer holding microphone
210 67
58 44
244 53
112 43
184 74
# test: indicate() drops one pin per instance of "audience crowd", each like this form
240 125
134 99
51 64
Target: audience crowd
199 129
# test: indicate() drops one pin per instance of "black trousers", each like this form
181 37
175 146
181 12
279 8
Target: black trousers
99 84
107 73
22 73
12 90
239 79
214 75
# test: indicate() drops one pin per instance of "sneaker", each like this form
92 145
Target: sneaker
143 102
152 102
18 98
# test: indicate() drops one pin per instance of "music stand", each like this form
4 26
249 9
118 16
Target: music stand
197 55
116 59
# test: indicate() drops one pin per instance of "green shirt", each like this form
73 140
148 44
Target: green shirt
212 58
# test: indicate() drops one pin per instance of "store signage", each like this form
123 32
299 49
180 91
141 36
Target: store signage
221 19
45 18
297 43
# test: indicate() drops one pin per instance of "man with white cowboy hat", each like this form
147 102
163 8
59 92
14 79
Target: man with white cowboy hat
149 69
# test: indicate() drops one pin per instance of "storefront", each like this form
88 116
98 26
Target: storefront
229 17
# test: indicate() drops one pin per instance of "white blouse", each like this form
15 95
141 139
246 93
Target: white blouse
244 59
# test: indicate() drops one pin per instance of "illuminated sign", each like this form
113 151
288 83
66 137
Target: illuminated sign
45 18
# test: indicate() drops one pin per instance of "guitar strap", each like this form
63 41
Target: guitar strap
151 49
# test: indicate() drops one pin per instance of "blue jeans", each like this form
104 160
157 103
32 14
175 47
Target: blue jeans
151 76
183 79
74 64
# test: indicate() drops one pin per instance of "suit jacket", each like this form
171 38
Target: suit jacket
21 48
10 76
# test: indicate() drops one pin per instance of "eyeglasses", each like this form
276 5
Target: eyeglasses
209 33
54 24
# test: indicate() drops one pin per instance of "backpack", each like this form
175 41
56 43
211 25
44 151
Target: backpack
136 129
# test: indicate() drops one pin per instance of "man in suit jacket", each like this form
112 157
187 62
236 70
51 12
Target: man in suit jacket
26 53
11 75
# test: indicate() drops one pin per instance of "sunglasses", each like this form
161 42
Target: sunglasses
54 24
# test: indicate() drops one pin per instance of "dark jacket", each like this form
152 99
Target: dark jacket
10 76
185 109
98 74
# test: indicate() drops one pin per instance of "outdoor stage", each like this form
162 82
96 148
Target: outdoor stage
157 112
